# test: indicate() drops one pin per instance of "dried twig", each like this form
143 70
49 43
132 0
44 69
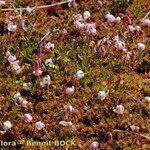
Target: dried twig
38 7
147 137
146 16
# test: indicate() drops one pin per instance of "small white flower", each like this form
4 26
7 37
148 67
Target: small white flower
28 118
72 3
94 145
65 123
141 46
119 44
146 22
110 18
147 98
11 58
131 28
70 90
7 125
24 103
49 63
79 25
69 109
49 45
86 15
102 95
11 27
39 125
17 95
90 29
135 128
20 100
117 20
119 109
80 74
26 86
7 54
2 3
46 81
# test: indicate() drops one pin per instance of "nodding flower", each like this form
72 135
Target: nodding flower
69 109
13 62
22 102
49 46
141 46
46 81
2 2
119 44
94 145
134 128
11 27
146 23
39 125
72 3
37 70
147 98
102 95
112 19
50 63
70 90
119 109
110 137
80 74
7 125
28 118
90 29
86 15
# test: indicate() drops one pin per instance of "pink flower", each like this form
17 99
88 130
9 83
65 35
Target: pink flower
49 45
141 46
134 128
39 125
28 118
146 22
70 90
119 44
90 29
17 95
69 109
110 18
119 109
7 125
72 3
24 104
79 25
86 15
37 71
2 3
92 43
110 137
77 17
94 145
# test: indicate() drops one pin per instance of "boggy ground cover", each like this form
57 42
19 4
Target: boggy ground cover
78 71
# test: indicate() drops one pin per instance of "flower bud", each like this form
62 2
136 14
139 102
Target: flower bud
70 90
119 109
7 125
28 118
94 145
141 46
39 125
86 15
80 74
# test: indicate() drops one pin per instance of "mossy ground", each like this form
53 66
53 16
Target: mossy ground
127 81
